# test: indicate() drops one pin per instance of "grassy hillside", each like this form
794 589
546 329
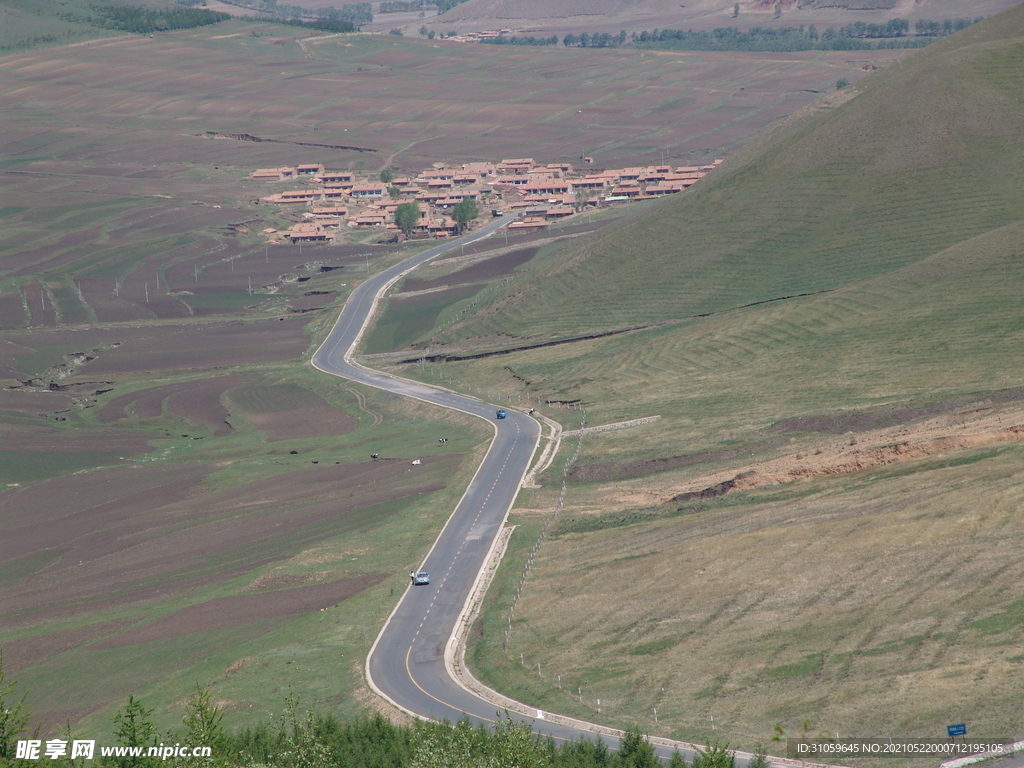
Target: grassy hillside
868 424
926 154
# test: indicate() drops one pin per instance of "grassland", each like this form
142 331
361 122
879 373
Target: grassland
875 603
289 544
134 242
828 328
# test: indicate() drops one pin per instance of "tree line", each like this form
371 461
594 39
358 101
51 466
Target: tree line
296 740
352 13
855 36
932 28
145 21
447 5
531 40
595 40
404 6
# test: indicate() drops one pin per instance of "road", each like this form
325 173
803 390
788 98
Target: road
406 663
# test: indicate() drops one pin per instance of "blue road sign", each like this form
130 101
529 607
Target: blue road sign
960 729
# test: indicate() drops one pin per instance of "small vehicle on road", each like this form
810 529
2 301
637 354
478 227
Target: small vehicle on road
500 414
420 579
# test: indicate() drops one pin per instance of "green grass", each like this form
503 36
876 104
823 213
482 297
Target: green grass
798 608
843 194
320 656
20 466
881 601
405 320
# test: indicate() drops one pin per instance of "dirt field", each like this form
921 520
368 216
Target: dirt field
195 400
486 269
288 411
175 231
167 545
240 610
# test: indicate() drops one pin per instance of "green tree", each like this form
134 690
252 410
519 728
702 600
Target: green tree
513 744
841 83
204 727
635 751
736 10
445 746
395 192
134 728
13 719
714 755
423 31
465 212
407 216
778 11
387 176
760 758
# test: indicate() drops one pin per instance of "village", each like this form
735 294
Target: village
333 203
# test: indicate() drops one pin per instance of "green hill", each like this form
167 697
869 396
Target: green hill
913 160
837 313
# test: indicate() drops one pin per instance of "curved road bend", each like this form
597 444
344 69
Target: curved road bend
406 663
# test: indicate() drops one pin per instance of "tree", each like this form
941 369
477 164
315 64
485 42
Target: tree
514 744
841 83
635 751
464 212
778 11
760 758
135 729
387 176
205 728
440 745
13 719
423 31
407 216
736 10
395 191
714 755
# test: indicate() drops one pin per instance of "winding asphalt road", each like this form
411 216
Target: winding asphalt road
406 663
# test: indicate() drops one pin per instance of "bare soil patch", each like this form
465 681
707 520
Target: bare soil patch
990 424
215 345
487 269
27 651
12 310
40 402
174 534
196 400
47 439
238 610
288 411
